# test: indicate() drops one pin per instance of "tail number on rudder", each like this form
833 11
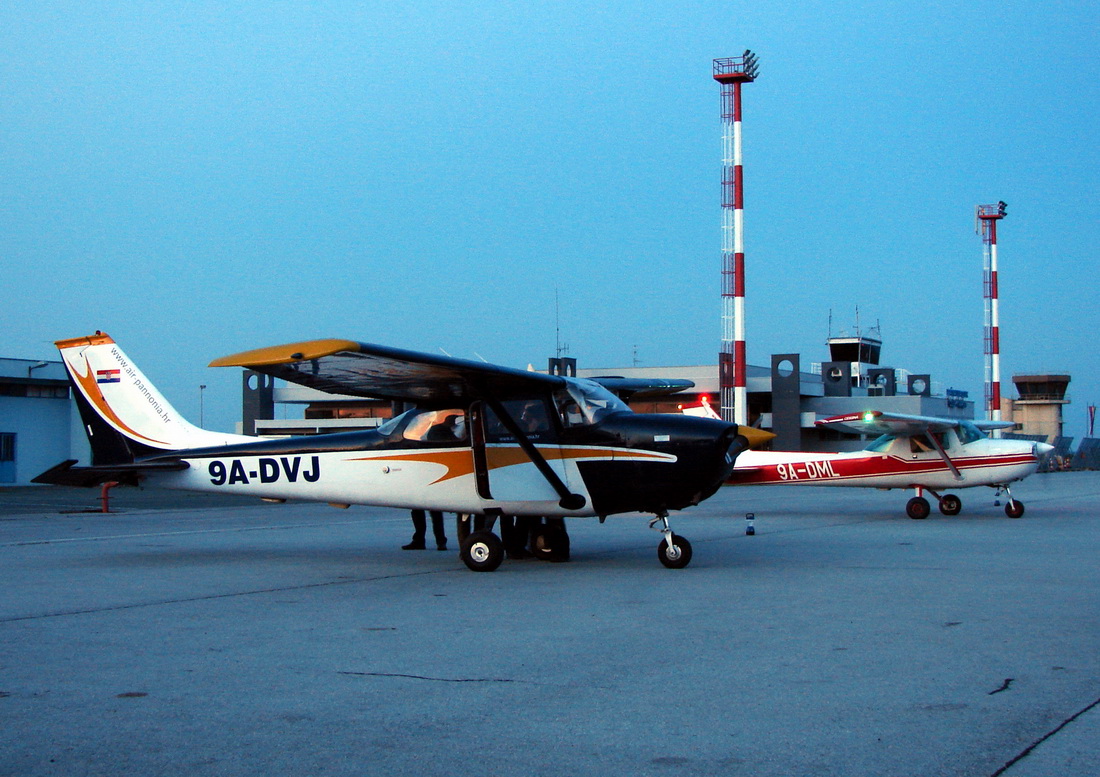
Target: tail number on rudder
267 471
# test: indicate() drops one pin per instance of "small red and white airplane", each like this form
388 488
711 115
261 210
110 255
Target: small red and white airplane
925 453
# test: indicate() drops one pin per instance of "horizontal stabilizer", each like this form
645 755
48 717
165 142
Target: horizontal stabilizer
65 474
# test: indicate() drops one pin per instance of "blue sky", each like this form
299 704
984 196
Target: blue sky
202 178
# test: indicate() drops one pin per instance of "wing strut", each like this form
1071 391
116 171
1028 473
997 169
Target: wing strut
569 500
943 455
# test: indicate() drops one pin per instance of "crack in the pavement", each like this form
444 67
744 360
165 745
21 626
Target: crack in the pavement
208 597
441 679
1028 750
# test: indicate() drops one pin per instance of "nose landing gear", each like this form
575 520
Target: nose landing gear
673 551
1013 507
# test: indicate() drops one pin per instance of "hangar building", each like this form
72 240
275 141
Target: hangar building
39 426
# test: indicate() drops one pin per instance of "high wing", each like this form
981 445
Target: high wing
879 422
986 426
642 388
368 370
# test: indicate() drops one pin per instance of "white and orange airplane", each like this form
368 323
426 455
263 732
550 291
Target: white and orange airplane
924 453
483 440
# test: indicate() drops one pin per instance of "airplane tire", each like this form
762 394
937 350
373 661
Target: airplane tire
918 508
681 555
950 505
482 551
550 543
1014 508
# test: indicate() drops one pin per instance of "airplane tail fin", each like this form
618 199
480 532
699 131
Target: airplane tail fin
125 417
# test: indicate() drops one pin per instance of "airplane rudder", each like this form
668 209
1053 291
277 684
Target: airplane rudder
124 415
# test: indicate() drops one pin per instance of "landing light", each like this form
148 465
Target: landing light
868 417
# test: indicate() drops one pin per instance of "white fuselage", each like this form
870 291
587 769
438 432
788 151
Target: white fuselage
436 479
901 464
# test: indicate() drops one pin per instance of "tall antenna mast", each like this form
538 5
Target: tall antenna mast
559 347
731 73
987 217
557 326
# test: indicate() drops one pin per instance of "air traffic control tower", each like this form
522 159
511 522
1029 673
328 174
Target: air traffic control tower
1039 408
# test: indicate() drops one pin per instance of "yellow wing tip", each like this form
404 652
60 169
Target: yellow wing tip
286 354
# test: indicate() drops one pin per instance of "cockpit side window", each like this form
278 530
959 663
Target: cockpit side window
919 443
529 414
441 427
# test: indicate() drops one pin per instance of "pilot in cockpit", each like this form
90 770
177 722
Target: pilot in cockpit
451 428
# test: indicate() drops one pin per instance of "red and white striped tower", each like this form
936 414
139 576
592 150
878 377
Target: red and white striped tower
731 73
987 217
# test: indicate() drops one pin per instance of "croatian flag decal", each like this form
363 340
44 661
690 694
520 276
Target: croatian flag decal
108 376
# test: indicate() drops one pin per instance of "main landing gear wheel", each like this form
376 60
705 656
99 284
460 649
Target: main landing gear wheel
1014 509
950 504
676 557
918 508
482 551
550 543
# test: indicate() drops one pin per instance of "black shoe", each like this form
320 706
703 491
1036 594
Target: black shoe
441 546
414 545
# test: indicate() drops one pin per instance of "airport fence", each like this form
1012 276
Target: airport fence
1088 454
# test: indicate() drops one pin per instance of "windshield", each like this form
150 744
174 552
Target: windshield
585 402
968 432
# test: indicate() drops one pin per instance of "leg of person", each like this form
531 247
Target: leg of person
420 526
507 524
516 542
438 530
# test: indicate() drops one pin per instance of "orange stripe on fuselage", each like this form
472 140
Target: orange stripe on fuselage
460 462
